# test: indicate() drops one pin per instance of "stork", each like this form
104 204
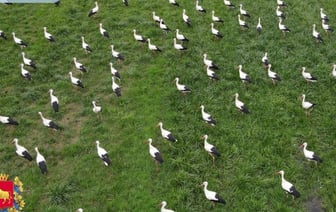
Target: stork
96 109
323 15
243 76
163 207
41 162
307 76
259 26
86 46
25 73
53 100
125 2
308 106
154 152
8 120
264 60
152 47
243 12
211 195
94 10
180 36
116 54
163 26
208 62
215 18
48 123
76 81
326 27
211 74
215 32
156 18
316 34
174 3
103 31
19 42
178 46
116 88
281 3
333 72
138 37
28 61
283 27
199 8
103 154
186 18
228 4
22 151
114 71
166 134
47 35
240 105
79 66
287 186
3 35
272 75
279 13
211 149
182 88
310 155
207 117
242 23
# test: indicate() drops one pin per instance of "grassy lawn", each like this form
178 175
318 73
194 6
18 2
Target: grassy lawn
253 146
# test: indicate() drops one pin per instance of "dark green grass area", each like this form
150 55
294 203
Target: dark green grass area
253 147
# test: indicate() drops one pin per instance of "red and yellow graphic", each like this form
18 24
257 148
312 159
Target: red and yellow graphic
6 192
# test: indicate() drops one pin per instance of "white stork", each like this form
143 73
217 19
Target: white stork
163 26
103 154
153 47
8 120
215 18
86 46
326 27
76 81
264 60
308 106
19 42
186 18
323 15
211 195
307 76
242 23
116 54
211 74
174 3
114 71
163 207
178 46
207 117
259 26
116 87
47 35
316 34
211 149
96 109
154 152
79 210
41 162
103 31
281 3
94 10
166 134
279 13
3 35
333 72
79 66
25 73
240 105
243 76
215 32
199 8
22 151
310 155
53 100
28 61
243 12
156 18
287 186
228 4
182 88
180 36
283 27
125 2
138 37
48 123
208 62
272 75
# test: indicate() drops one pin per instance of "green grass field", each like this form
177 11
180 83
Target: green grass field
253 146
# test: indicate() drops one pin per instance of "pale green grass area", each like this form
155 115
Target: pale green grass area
253 146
